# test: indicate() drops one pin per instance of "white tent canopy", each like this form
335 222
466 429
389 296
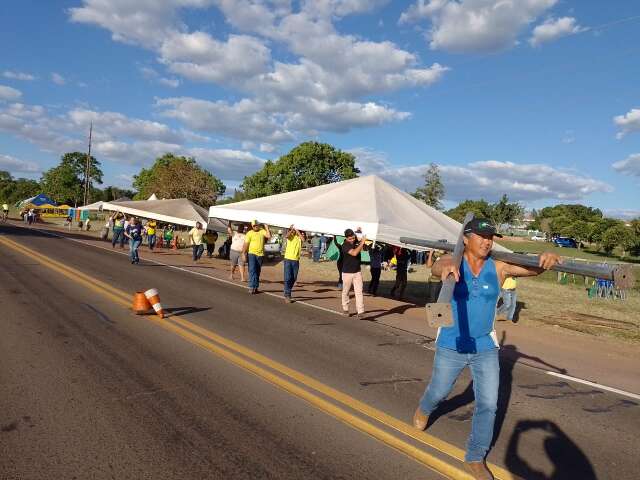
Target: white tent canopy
384 212
179 211
153 197
92 206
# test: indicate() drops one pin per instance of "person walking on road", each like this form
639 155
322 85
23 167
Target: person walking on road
254 249
151 234
402 266
352 272
291 262
237 257
315 247
507 310
134 234
118 229
168 236
195 235
471 341
5 212
210 239
434 283
375 264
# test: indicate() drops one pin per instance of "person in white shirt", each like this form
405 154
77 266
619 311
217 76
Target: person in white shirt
236 256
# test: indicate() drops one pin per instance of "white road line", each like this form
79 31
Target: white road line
548 372
596 385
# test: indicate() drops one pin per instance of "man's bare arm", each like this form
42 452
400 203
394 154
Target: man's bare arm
354 252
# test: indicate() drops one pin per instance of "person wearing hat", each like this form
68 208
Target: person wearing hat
471 341
351 271
291 264
254 250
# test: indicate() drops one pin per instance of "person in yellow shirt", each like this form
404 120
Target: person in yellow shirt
254 250
507 310
151 234
291 263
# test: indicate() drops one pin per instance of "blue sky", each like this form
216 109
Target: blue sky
538 99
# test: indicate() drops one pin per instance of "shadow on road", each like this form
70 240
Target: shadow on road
567 459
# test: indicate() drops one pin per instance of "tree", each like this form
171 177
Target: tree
635 228
618 236
597 230
504 212
13 190
480 208
310 164
178 177
579 230
65 182
432 192
62 184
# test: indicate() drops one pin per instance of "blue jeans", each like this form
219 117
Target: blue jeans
316 254
485 371
152 241
133 250
508 307
197 251
290 275
118 235
255 265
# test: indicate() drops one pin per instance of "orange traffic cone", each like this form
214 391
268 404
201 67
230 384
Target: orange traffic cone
154 299
140 303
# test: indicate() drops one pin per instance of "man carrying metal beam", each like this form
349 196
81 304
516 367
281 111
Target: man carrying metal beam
471 340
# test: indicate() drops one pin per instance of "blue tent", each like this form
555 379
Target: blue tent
40 199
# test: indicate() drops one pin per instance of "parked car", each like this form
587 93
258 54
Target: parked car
272 250
565 242
538 238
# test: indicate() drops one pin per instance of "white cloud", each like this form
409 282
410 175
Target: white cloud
554 28
622 214
629 166
144 22
477 26
9 93
169 82
118 125
341 8
135 153
628 123
199 56
18 75
14 165
487 179
227 164
327 74
58 79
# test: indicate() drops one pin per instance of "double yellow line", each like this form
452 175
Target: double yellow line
264 368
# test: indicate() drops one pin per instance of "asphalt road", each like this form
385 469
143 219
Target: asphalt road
89 390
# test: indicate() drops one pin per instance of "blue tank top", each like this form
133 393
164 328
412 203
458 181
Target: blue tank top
474 310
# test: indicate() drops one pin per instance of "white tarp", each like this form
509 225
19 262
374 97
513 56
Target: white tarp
179 211
92 206
153 197
384 212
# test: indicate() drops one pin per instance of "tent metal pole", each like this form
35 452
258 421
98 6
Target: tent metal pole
622 274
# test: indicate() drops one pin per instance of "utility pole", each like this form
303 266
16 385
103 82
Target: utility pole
87 169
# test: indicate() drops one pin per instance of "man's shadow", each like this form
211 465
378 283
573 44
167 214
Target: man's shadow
568 460
509 356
